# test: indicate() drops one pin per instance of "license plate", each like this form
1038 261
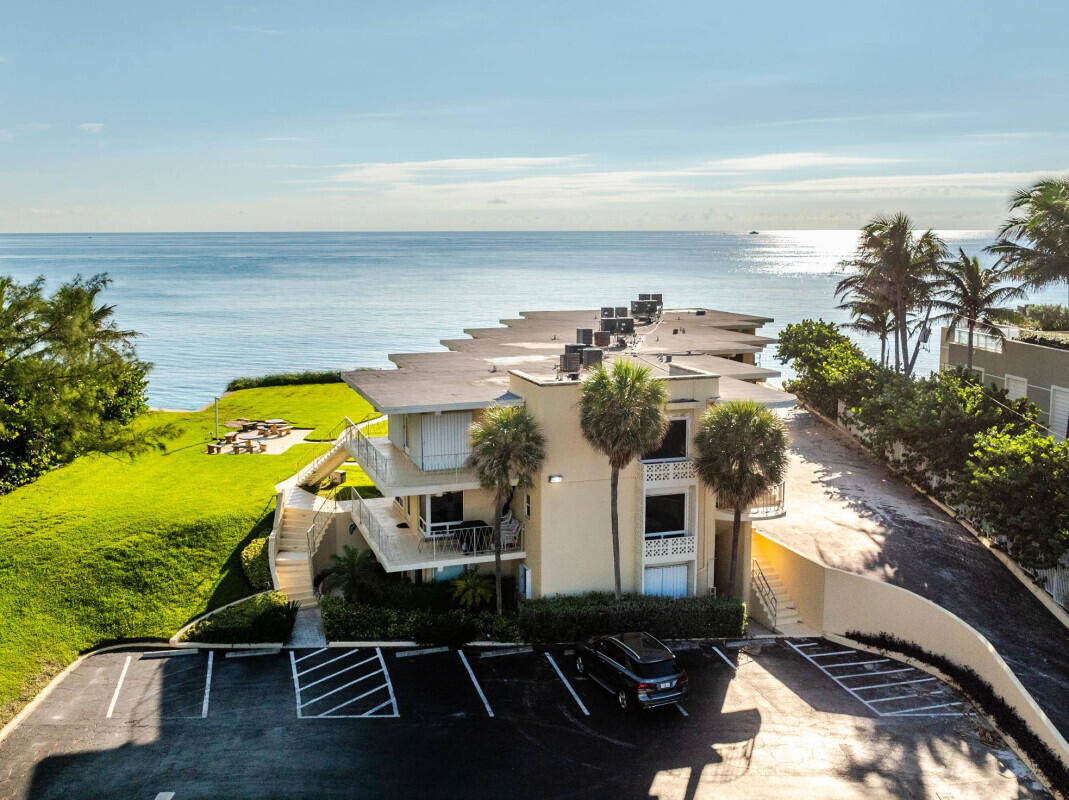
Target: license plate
665 684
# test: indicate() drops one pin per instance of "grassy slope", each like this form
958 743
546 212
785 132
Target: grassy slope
105 549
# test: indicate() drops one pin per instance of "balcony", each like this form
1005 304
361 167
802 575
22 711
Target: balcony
769 505
980 340
668 471
394 473
398 549
664 549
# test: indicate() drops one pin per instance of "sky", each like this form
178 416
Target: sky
204 116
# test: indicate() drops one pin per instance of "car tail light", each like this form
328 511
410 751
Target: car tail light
683 680
646 687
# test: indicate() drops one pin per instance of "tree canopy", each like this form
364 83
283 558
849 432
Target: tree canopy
70 379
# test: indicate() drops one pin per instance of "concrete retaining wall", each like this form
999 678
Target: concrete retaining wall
836 602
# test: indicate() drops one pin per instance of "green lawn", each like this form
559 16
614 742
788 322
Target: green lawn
107 549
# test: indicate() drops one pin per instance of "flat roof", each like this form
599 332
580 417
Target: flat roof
474 372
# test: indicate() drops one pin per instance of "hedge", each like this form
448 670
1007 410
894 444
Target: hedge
571 618
982 694
284 379
255 563
344 621
267 617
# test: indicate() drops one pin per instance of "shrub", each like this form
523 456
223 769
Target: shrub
1049 340
982 694
267 617
284 379
1050 317
255 563
570 618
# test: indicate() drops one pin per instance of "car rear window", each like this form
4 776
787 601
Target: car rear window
657 669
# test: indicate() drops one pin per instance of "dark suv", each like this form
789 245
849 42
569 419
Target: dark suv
636 667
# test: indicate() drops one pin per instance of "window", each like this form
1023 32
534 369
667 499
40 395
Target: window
673 445
527 506
666 514
445 509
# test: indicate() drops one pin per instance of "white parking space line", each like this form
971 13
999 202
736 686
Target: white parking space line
877 672
118 686
309 655
335 674
165 796
568 685
383 684
207 685
896 683
682 710
836 653
346 654
869 703
808 644
726 659
475 683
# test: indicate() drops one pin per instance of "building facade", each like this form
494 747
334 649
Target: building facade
434 520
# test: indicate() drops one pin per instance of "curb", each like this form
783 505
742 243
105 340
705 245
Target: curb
176 640
1060 613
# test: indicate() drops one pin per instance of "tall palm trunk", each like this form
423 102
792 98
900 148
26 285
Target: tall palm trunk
883 350
903 334
895 337
614 483
498 504
736 527
968 358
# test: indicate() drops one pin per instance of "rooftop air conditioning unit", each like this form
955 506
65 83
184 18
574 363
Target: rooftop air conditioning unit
570 362
657 298
602 338
700 312
621 311
592 356
625 325
607 311
574 348
645 297
608 324
584 336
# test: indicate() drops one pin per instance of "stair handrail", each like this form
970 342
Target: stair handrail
764 590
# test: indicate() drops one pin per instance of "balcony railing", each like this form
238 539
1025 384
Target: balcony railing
768 505
405 548
980 340
658 471
394 472
669 547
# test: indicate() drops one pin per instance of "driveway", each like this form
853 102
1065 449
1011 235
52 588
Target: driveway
847 510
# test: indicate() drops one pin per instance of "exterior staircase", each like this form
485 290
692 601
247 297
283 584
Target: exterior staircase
779 607
291 562
325 464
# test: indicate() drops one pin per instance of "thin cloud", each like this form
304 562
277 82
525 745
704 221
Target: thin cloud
783 161
281 138
977 184
387 172
253 29
92 128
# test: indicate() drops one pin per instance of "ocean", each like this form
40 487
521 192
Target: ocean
214 306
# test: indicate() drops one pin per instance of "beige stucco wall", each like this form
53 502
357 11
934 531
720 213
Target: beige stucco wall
837 602
568 537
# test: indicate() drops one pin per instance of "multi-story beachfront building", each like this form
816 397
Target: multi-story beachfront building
1024 369
434 519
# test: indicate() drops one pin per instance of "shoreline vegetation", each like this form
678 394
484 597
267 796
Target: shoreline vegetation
105 549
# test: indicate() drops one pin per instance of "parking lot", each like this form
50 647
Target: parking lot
803 718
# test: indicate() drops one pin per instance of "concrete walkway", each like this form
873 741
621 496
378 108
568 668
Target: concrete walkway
844 508
308 629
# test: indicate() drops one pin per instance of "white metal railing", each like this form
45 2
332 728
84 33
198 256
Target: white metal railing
761 585
389 466
655 547
339 434
980 340
770 503
656 471
459 542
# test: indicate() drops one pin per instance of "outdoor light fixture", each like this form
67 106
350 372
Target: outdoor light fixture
556 478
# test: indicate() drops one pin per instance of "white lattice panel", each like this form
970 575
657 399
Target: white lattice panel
672 547
669 471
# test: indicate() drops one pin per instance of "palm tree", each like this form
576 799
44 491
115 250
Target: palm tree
869 312
897 266
357 574
741 453
1035 242
621 413
971 294
507 447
